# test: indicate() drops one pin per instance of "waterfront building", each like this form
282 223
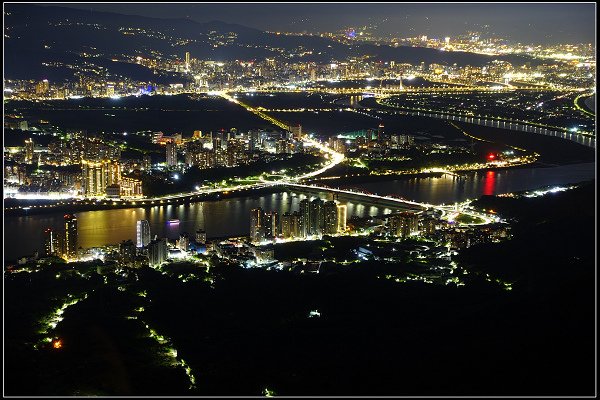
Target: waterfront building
342 212
131 187
316 217
51 243
270 224
142 233
380 133
286 225
257 229
304 223
42 87
290 225
253 140
295 224
330 213
337 144
98 174
217 143
281 146
370 135
200 236
70 243
113 191
200 157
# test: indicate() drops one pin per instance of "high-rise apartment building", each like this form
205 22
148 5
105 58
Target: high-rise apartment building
330 214
127 251
171 154
270 224
51 243
131 187
157 252
70 243
342 212
257 228
304 218
29 147
404 224
142 233
98 174
316 217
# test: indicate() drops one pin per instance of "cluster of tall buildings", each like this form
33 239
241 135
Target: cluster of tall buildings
228 149
155 251
371 141
102 178
315 218
62 243
101 173
404 224
215 75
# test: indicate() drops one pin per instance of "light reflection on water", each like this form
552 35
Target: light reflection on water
450 189
231 217
228 217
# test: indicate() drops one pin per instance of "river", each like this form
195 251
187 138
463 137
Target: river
450 189
231 217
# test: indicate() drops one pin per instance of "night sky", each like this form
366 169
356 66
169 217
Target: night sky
527 23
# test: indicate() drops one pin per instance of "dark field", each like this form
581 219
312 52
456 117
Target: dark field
169 114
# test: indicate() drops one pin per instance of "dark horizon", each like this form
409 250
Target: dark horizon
550 23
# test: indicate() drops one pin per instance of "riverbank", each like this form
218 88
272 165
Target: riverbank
13 207
552 150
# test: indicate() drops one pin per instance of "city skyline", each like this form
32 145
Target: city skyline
299 199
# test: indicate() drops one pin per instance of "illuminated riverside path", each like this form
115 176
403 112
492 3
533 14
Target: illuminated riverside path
388 91
497 122
582 109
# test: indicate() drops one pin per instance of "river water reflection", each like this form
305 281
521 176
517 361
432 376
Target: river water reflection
450 189
231 217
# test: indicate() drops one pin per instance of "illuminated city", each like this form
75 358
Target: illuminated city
396 200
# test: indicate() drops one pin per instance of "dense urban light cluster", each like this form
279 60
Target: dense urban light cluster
205 208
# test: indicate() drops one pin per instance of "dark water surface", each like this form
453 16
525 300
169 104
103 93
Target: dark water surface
231 217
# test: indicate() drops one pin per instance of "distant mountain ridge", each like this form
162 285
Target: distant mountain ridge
37 34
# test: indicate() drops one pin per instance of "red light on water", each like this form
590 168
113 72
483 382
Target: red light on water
489 183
